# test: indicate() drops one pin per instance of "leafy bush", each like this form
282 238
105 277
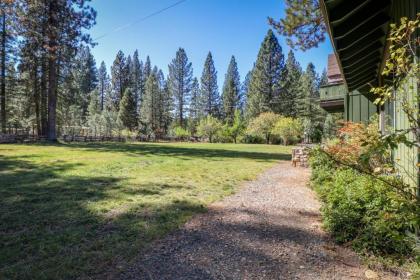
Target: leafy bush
288 129
262 126
235 130
360 145
363 210
209 127
180 132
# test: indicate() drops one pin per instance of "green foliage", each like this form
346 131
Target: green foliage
363 210
291 87
128 111
180 83
263 125
150 107
265 84
180 133
209 127
236 129
288 129
231 91
110 123
303 24
196 108
119 79
209 89
328 128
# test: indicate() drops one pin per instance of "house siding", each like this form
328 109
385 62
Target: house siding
359 108
406 159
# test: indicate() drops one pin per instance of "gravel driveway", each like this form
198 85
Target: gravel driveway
270 229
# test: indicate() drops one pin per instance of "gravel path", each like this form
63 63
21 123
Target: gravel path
270 229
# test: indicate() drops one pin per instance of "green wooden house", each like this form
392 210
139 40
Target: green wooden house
358 30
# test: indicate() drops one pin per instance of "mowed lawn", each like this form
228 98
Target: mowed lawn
79 210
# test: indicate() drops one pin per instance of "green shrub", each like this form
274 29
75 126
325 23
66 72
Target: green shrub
180 133
360 209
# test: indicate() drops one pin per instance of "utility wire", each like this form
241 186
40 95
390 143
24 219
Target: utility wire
140 19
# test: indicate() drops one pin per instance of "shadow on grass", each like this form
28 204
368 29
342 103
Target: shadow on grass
48 230
176 151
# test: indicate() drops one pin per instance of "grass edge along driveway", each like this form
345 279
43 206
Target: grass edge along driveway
76 210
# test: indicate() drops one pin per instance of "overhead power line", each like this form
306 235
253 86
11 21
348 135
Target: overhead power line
140 19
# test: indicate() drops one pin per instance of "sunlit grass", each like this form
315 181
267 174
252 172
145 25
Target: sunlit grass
73 210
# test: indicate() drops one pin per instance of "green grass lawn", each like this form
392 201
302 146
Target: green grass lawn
76 210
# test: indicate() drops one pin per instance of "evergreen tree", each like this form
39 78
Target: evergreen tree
51 32
231 91
308 88
150 106
291 86
127 72
245 91
128 111
147 68
180 82
85 77
136 77
196 111
167 107
265 84
323 80
103 84
303 24
94 103
118 78
8 26
209 88
308 104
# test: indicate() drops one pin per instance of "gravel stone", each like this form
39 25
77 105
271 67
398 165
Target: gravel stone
270 229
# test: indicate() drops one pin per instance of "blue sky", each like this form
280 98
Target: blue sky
224 27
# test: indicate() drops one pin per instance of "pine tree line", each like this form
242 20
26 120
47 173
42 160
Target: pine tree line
50 83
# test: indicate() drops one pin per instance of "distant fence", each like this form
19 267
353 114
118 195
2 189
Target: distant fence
29 138
21 138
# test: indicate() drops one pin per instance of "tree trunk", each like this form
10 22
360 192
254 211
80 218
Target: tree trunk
52 69
36 99
102 95
3 75
43 97
267 138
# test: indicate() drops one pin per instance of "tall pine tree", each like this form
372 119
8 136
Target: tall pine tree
128 111
265 84
231 91
118 78
245 91
209 89
147 68
85 77
196 111
136 78
150 107
291 86
103 84
180 82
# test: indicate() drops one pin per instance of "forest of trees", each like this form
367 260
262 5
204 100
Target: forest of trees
51 84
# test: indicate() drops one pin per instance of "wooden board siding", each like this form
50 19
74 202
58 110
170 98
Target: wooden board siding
359 108
406 159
